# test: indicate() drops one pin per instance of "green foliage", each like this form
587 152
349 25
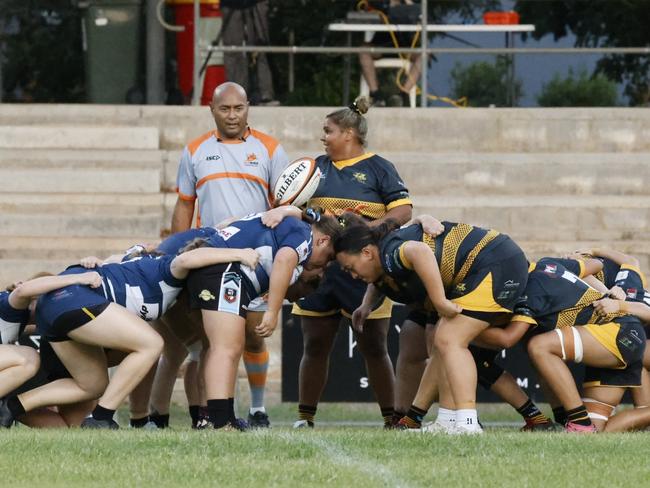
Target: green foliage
600 23
43 56
578 91
484 83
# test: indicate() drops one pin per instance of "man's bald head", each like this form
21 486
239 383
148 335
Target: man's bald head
230 110
229 88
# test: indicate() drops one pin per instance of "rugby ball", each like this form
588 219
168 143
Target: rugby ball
297 183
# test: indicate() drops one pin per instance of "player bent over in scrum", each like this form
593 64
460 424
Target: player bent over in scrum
223 292
471 276
80 321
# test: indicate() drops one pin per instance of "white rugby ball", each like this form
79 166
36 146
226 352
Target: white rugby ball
297 183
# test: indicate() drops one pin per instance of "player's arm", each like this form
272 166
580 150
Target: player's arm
422 260
182 216
502 338
207 256
284 262
401 214
595 283
616 256
430 225
23 294
271 218
608 305
370 299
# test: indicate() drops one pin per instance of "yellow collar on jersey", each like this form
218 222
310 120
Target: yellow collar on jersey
349 162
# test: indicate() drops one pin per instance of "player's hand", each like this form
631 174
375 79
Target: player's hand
359 317
90 262
249 257
617 293
606 306
430 225
268 324
271 218
448 309
93 279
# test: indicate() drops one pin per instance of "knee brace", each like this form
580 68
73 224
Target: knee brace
194 351
598 410
571 344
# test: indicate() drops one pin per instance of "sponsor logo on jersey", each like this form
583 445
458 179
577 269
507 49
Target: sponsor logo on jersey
631 292
227 232
360 177
206 295
510 284
214 157
251 160
460 288
550 269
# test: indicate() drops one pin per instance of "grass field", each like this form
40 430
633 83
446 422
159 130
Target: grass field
332 455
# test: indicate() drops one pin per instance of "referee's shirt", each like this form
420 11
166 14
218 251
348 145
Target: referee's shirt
230 178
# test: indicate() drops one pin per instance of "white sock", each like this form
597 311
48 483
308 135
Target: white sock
446 417
254 410
467 419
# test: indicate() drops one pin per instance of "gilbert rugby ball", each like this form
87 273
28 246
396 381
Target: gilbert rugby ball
297 183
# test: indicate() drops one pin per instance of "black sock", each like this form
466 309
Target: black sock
15 407
397 415
194 413
578 416
231 410
559 415
139 423
218 412
307 412
161 421
387 413
101 413
528 409
414 416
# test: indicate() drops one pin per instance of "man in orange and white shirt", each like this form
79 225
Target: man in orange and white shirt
231 171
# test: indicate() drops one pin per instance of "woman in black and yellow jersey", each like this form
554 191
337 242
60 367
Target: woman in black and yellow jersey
470 276
353 178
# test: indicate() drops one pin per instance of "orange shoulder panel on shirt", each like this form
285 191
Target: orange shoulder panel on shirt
269 142
194 145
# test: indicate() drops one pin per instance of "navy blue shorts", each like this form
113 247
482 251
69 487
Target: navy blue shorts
66 309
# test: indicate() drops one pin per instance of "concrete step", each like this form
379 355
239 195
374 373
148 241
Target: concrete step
523 173
67 248
567 218
53 226
78 137
70 204
11 158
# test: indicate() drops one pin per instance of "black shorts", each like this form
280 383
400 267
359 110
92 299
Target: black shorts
625 338
492 286
51 369
66 309
338 293
221 288
422 317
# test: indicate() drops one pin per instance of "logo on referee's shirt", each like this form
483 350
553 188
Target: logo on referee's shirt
251 160
206 295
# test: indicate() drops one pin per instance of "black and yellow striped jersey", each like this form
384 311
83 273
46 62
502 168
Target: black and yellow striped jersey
369 183
626 276
457 249
557 297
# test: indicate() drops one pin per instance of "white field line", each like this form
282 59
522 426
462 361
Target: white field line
342 457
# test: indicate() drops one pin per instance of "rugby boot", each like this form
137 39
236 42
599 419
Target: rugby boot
6 417
93 423
573 428
259 420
